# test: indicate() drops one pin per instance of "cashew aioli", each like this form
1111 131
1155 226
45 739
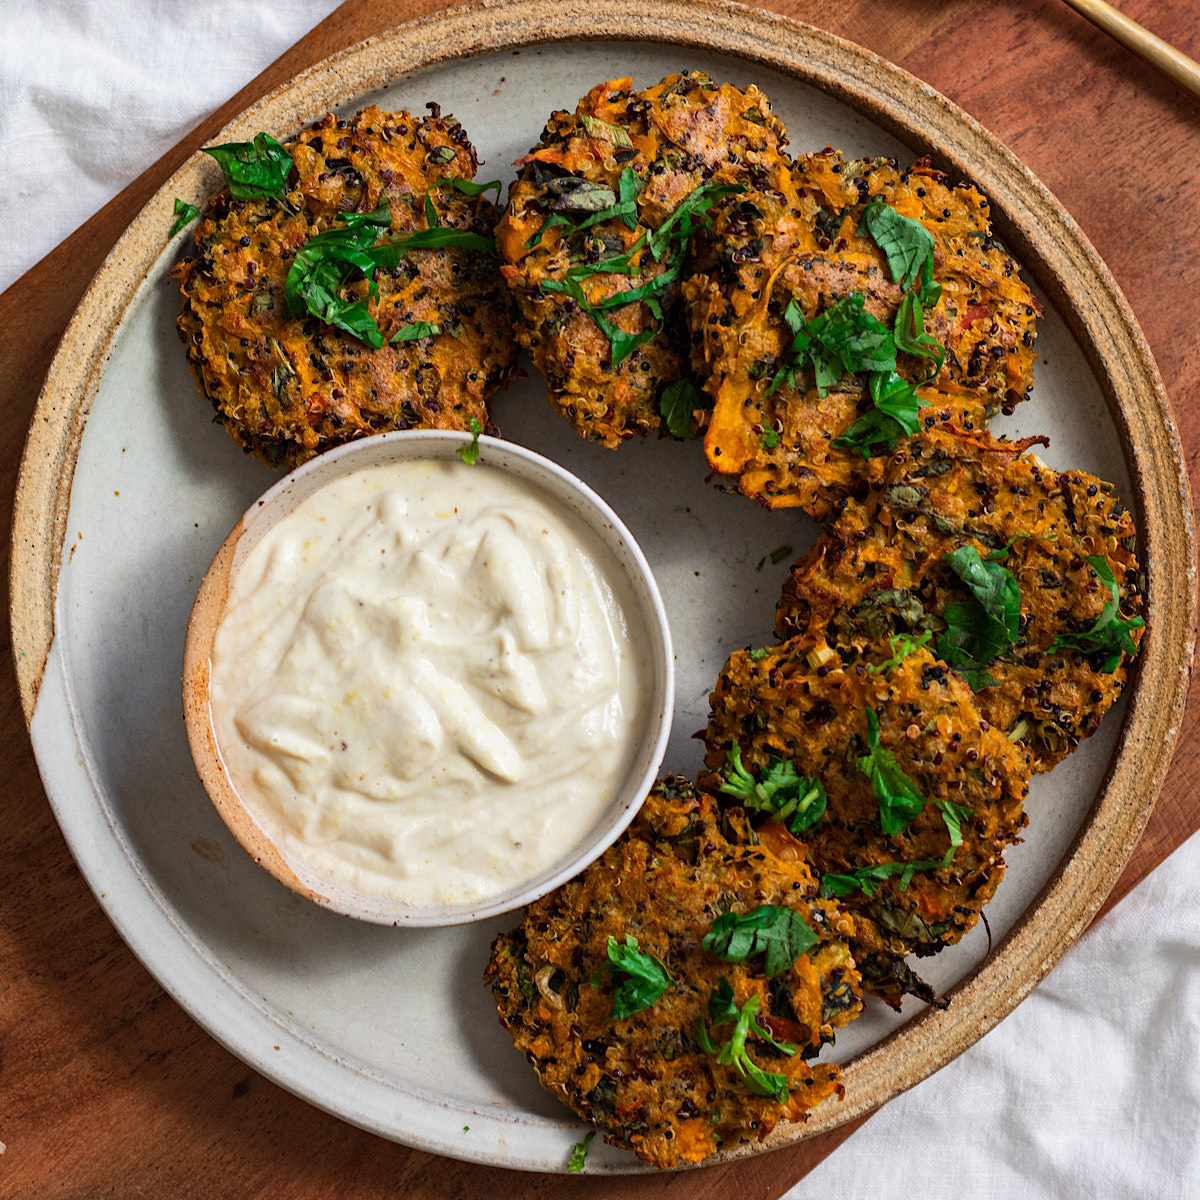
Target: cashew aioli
425 684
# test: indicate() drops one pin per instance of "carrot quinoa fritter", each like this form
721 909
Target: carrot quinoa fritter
909 797
622 181
287 387
650 1054
825 269
1047 648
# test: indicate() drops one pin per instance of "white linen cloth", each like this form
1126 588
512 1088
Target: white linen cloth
1090 1089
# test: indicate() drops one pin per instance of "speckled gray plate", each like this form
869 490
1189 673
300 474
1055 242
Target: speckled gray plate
127 489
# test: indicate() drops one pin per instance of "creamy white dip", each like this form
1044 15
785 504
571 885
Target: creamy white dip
426 685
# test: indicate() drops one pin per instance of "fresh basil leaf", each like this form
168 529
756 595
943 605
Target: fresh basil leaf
842 340
415 331
905 241
902 644
606 132
468 186
795 802
470 452
185 213
443 236
869 880
984 627
781 934
254 170
1110 633
679 401
954 815
579 1155
647 978
431 217
896 411
911 337
899 799
723 1010
328 261
992 585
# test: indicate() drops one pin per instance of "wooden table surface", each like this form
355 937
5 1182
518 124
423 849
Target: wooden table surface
107 1087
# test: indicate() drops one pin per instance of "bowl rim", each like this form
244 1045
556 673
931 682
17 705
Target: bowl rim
279 501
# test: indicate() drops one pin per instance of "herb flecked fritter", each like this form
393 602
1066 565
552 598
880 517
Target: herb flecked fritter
287 387
931 770
646 1079
807 240
882 568
650 162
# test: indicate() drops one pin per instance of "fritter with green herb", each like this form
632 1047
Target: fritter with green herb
843 309
675 992
1022 578
918 796
346 284
596 235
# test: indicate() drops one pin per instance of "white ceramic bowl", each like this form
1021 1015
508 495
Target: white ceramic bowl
566 493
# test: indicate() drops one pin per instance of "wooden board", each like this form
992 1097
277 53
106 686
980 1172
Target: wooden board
110 1088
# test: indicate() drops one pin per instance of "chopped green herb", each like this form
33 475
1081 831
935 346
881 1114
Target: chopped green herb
759 654
842 340
902 644
1005 550
624 209
678 402
184 214
469 187
647 978
579 1155
1110 632
723 1010
869 880
781 934
470 452
761 562
779 554
981 628
911 337
905 241
895 411
255 170
795 802
899 799
327 262
769 439
667 244
442 236
954 815
440 155
606 132
415 331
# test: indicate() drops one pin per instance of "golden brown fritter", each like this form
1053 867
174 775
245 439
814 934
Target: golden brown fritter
644 1079
663 145
288 387
804 704
881 568
805 240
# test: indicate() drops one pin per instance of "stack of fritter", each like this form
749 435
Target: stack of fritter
288 385
596 233
919 795
964 620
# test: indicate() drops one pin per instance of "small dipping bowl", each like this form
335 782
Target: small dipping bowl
568 496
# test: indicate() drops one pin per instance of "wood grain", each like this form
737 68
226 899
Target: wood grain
109 1089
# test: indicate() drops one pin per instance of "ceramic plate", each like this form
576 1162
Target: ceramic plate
127 489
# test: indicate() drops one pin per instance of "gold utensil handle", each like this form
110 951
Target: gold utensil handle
1159 54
